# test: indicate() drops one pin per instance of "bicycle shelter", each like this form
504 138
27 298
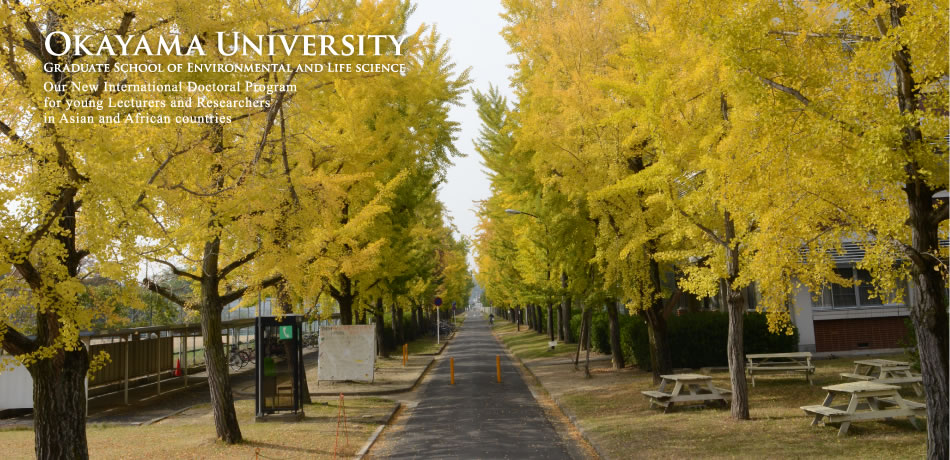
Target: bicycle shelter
279 352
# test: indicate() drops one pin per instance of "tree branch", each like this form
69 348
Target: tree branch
51 216
808 103
711 234
110 63
154 287
237 263
14 342
15 138
940 213
840 35
177 271
271 117
787 90
235 295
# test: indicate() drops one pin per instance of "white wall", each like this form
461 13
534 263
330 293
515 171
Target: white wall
802 317
16 388
347 353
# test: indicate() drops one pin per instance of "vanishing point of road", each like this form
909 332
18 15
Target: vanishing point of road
477 417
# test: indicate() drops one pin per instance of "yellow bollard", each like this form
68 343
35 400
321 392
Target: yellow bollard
451 371
498 367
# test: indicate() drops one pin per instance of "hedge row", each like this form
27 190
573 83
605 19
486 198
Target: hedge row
696 339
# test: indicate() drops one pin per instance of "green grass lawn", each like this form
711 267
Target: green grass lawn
425 346
192 434
529 344
618 418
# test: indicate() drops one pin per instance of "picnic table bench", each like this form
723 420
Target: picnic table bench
887 372
699 389
883 402
779 363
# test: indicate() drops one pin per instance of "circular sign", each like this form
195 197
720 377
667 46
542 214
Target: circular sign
438 302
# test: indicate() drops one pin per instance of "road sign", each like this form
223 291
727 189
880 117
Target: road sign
438 302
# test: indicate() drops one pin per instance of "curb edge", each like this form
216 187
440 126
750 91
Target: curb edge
557 402
379 430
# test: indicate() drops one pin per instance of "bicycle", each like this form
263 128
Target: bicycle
248 355
311 340
236 360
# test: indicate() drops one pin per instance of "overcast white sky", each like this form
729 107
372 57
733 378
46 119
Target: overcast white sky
473 29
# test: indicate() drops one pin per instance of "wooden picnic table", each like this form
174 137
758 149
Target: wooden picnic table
882 401
782 363
698 389
885 371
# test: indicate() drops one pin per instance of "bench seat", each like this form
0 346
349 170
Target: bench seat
781 368
913 405
900 380
823 410
853 376
657 394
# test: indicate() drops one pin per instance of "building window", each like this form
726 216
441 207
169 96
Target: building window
856 296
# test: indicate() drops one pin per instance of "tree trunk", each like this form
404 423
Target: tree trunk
344 297
346 309
550 321
529 317
929 311
216 362
587 317
219 383
565 313
737 307
929 315
577 353
587 313
381 348
518 319
59 405
538 320
660 360
740 388
614 319
584 340
417 321
396 314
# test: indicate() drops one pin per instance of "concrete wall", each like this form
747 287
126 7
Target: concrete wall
347 353
16 388
875 326
802 317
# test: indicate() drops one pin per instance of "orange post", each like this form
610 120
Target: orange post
498 367
451 371
405 354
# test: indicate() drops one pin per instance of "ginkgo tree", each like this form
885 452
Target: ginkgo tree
565 51
212 200
866 85
61 193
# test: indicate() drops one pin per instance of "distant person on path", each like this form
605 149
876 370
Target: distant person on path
491 319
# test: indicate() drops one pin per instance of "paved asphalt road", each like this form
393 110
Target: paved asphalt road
477 417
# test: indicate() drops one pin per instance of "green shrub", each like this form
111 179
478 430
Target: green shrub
700 339
576 326
600 330
635 342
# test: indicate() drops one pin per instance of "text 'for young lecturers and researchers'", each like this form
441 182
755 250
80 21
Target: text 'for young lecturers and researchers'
200 102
